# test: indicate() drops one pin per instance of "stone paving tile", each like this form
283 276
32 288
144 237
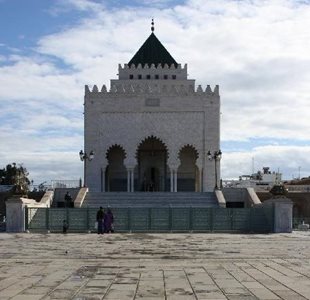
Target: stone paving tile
263 294
155 266
120 294
98 283
6 282
37 290
27 297
90 293
150 292
241 297
19 287
289 295
61 294
88 297
218 295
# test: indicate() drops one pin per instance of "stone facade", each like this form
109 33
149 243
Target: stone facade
152 106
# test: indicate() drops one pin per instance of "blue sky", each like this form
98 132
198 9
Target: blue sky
257 51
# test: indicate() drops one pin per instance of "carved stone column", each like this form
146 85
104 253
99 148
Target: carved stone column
199 180
171 181
128 180
132 180
103 178
175 180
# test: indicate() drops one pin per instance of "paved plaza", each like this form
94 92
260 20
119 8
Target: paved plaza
155 266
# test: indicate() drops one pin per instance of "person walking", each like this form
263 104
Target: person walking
108 221
68 200
100 217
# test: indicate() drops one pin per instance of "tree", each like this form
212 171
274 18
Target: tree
15 175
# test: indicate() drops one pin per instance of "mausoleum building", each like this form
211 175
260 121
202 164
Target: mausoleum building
152 129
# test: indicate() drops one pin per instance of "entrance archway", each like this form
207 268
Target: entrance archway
188 175
116 174
151 172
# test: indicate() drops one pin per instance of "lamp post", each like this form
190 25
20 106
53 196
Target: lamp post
84 157
216 156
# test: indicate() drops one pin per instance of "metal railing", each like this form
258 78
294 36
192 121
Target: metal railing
66 183
298 188
160 219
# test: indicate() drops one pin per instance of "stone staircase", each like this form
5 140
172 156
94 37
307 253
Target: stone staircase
155 199
59 195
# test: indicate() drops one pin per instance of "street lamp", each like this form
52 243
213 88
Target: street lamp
84 157
216 156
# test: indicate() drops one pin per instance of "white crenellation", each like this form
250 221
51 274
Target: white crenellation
152 72
104 89
199 89
208 89
147 88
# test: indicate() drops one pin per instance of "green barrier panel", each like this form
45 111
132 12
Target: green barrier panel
161 219
56 218
77 219
222 219
261 219
240 219
180 219
36 218
121 219
139 219
201 220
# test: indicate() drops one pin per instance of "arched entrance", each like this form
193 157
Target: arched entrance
116 174
188 174
151 172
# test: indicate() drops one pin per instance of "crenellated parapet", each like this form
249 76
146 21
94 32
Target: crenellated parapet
152 72
139 89
152 66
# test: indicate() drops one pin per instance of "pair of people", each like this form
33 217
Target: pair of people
105 221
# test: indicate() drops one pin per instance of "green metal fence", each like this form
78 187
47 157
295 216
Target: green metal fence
160 219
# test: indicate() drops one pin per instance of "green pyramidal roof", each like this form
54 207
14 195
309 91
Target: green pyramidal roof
152 52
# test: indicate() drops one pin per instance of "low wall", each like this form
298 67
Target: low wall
16 212
220 198
283 213
301 202
253 199
78 202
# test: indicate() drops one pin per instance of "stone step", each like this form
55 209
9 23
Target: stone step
150 195
151 199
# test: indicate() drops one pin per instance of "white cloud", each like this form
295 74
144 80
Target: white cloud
64 6
258 51
286 159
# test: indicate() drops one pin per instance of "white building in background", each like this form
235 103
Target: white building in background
152 130
261 180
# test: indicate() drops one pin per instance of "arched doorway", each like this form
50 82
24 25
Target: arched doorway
116 174
151 172
188 173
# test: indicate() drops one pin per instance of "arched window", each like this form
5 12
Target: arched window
116 174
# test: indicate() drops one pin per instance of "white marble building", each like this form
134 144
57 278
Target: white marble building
152 130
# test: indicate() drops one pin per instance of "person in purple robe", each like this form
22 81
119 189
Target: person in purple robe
108 221
100 220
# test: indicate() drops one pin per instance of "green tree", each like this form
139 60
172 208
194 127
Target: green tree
16 175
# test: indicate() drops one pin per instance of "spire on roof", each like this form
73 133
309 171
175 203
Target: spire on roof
152 52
